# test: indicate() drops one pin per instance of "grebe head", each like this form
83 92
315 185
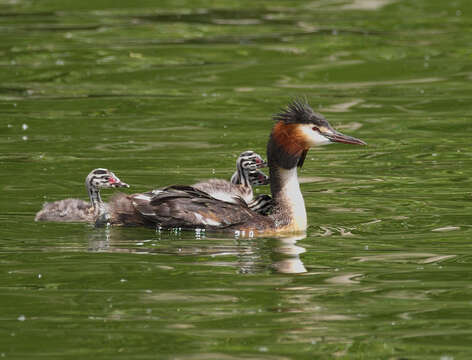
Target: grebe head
297 129
258 178
247 165
103 178
96 180
250 160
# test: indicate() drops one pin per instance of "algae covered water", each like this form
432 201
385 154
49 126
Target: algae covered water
166 92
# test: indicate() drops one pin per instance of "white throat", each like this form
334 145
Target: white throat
292 197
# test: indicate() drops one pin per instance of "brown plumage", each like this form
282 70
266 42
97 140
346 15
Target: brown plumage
180 206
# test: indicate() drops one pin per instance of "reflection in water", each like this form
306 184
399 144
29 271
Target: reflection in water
253 255
291 262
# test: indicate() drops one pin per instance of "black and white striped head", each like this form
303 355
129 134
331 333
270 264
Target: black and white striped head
250 160
103 178
258 178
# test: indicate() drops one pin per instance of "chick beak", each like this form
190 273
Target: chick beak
261 163
122 184
115 182
264 180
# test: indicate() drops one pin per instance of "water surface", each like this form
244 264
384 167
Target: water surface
170 92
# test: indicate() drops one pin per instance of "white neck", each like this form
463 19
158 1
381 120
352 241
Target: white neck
290 198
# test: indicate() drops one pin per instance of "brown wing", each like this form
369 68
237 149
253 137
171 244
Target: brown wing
187 207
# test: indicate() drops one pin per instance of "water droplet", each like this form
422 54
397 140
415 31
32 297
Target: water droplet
21 318
40 276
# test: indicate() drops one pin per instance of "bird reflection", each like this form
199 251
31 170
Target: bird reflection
280 254
290 263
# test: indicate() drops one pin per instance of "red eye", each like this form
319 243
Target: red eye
111 180
314 128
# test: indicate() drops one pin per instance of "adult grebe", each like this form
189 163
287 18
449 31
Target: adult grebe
76 210
296 130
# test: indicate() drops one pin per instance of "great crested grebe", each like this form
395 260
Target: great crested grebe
296 130
246 176
76 210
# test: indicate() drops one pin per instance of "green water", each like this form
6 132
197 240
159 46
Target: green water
170 92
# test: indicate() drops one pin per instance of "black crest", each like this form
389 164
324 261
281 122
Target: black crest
299 112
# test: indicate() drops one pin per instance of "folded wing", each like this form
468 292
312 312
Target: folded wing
187 207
